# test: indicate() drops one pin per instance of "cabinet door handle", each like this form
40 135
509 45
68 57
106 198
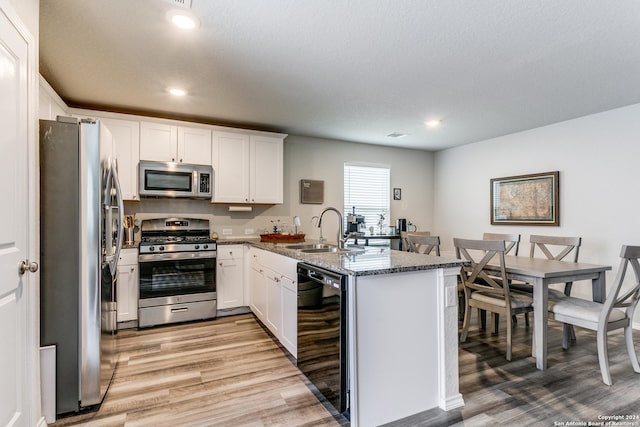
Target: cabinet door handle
173 159
132 268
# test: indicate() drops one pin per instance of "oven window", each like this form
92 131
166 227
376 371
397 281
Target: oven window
166 180
177 277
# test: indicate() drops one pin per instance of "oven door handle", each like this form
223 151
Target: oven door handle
176 256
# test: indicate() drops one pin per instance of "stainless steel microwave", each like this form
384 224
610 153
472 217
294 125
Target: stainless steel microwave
169 179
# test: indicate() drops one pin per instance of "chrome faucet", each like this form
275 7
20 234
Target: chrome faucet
341 240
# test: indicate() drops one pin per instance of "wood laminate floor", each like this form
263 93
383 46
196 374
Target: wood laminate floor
230 372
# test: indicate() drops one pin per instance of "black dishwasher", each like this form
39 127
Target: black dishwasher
322 332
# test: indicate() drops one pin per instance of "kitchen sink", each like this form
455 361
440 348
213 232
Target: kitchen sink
318 248
321 250
323 247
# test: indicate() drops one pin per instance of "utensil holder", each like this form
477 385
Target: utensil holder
128 233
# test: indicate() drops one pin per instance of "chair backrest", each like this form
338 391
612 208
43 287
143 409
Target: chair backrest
512 241
423 244
474 276
555 247
403 238
629 299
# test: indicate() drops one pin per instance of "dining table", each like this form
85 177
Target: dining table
540 273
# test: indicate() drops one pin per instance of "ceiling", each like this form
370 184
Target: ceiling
354 70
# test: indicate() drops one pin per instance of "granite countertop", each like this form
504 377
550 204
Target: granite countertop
366 262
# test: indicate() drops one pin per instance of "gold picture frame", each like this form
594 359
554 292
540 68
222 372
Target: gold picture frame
526 199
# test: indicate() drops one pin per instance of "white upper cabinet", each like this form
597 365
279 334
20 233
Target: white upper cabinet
230 167
247 168
266 169
126 135
194 145
167 143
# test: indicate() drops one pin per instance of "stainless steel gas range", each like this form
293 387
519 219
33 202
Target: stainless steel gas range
177 263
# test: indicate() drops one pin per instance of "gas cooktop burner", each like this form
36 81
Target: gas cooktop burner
176 239
164 235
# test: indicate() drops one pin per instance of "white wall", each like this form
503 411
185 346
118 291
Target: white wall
597 157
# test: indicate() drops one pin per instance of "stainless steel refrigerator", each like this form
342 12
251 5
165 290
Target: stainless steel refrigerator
81 214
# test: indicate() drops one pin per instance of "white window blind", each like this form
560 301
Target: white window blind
367 188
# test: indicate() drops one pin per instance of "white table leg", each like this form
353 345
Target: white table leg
539 350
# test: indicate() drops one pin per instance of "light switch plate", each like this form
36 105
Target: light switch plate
227 231
249 231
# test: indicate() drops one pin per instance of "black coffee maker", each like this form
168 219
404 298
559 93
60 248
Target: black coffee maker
402 225
354 221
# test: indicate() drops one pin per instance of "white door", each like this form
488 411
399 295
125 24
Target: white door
15 378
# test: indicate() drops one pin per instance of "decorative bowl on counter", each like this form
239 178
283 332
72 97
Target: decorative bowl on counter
282 238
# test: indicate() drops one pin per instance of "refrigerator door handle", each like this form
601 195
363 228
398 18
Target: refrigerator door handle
112 183
120 236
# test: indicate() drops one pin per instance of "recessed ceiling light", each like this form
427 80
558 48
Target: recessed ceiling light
397 135
433 123
183 19
177 91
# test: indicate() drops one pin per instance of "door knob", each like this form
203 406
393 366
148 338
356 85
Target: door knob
27 266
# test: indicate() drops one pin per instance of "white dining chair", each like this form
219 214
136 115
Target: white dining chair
616 312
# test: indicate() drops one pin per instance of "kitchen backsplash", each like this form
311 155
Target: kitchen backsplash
260 220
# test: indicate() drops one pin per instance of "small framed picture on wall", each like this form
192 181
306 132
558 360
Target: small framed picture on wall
397 194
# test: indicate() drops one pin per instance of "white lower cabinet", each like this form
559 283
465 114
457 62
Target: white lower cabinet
127 286
274 302
258 292
230 276
290 315
273 294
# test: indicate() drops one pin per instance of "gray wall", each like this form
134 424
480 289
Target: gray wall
318 159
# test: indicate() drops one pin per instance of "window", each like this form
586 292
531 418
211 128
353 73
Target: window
366 187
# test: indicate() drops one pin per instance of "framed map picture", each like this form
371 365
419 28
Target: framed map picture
526 199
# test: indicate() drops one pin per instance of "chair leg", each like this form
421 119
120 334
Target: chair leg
514 319
509 332
566 335
482 318
526 319
465 323
603 357
495 321
628 334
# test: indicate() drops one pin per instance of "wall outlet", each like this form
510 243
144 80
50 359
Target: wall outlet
227 231
249 231
452 296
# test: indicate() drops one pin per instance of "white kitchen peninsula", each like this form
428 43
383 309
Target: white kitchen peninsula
403 330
